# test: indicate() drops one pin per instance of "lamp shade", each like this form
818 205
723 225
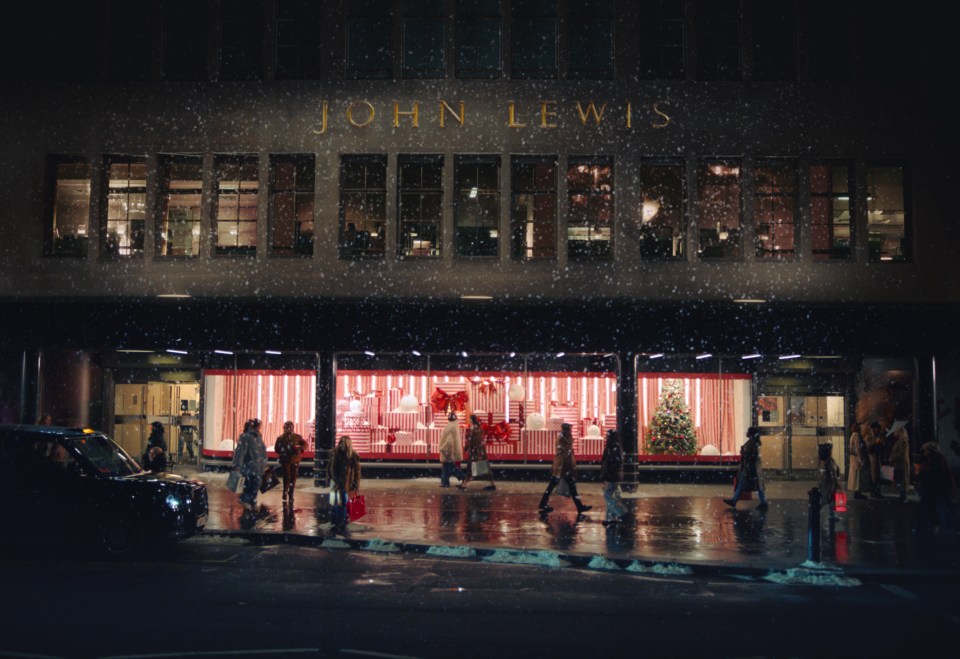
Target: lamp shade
516 392
535 421
409 403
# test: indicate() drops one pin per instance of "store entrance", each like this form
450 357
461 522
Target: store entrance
795 425
175 405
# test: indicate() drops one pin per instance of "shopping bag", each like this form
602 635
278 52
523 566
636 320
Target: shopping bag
746 495
563 488
356 507
480 468
886 473
233 480
840 501
270 480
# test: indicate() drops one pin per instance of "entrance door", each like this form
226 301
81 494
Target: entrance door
138 405
795 425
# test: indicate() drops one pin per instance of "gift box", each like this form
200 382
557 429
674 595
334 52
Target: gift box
426 414
394 394
489 397
401 420
430 437
370 406
589 447
539 442
361 441
406 443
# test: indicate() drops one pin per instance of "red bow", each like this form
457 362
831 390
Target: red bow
496 432
391 436
441 401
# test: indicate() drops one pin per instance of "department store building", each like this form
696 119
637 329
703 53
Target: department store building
360 216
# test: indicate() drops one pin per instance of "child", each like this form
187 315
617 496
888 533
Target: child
829 473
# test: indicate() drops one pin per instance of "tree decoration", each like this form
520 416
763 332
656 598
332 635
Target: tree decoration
671 429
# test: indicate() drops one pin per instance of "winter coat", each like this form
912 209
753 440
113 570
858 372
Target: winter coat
476 448
451 448
155 460
934 479
250 456
563 461
611 464
344 471
858 458
900 452
751 468
290 447
829 474
157 439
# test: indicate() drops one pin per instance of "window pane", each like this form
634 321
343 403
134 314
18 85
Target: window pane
477 210
420 197
423 39
533 39
662 210
831 208
237 204
71 208
775 200
291 204
718 209
184 40
179 192
590 214
478 36
828 25
886 214
662 41
241 40
718 40
298 39
369 39
363 206
590 32
774 40
125 208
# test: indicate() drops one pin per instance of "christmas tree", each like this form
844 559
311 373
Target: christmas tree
671 430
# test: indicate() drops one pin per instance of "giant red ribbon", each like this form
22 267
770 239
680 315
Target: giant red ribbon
497 432
441 401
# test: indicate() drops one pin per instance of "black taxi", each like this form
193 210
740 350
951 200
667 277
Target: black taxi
76 484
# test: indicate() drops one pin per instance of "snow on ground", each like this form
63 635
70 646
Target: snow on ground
813 574
452 552
659 568
544 558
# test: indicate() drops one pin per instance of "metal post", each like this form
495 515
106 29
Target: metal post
813 525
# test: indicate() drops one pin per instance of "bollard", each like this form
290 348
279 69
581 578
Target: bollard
813 526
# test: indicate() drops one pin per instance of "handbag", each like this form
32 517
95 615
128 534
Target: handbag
270 480
233 480
886 473
563 488
840 501
356 507
480 468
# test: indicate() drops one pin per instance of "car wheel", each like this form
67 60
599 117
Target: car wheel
119 536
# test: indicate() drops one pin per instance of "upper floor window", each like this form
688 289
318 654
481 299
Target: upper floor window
420 205
774 30
590 214
662 209
477 205
369 40
298 39
590 32
775 208
533 207
363 206
291 204
241 40
423 39
719 216
124 222
662 43
533 39
183 40
236 204
888 229
69 215
718 40
179 196
831 210
828 26
478 39
129 43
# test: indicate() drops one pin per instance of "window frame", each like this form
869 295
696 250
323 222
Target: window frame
376 26
526 11
872 198
301 191
162 233
106 192
473 21
421 192
357 252
484 197
831 196
651 243
417 20
241 161
522 229
293 22
584 33
592 194
77 246
725 250
759 197
655 44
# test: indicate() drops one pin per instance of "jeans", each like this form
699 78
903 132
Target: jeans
251 488
615 508
186 439
289 478
448 469
741 482
338 513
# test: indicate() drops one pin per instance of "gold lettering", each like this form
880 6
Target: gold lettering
323 120
591 110
512 123
458 117
370 116
629 116
544 113
415 113
666 122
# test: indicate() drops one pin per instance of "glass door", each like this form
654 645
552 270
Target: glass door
794 425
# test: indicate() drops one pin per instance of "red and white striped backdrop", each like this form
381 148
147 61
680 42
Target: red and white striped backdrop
540 442
430 436
588 447
401 420
487 398
394 395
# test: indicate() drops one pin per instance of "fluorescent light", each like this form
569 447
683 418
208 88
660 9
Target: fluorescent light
174 295
755 355
463 354
561 354
656 355
273 352
705 355
750 300
416 352
223 352
789 356
369 354
513 354
473 193
177 352
476 297
131 350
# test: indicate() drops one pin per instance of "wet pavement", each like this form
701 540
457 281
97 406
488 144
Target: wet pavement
672 525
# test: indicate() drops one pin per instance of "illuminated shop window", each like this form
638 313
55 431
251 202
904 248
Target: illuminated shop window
533 39
70 207
363 206
887 221
775 208
590 213
241 40
179 192
423 39
719 209
590 36
774 30
183 40
369 40
662 39
479 34
298 39
828 28
533 208
662 230
291 204
126 207
476 215
718 40
238 188
420 205
831 210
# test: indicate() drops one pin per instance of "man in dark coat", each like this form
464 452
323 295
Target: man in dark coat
750 477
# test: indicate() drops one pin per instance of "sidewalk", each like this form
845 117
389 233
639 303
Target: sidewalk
678 528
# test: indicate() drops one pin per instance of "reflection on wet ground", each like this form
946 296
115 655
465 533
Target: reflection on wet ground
671 523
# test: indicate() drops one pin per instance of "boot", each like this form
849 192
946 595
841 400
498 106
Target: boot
544 507
581 508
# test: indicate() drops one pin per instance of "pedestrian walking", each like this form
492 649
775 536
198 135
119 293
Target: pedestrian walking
938 493
289 447
750 476
155 454
186 437
900 459
451 452
250 458
856 462
875 450
564 467
344 472
477 463
828 473
611 475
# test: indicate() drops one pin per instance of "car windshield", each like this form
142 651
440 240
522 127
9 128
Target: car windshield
105 456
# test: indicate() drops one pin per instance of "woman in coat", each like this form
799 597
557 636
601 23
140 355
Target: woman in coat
290 447
451 452
344 472
750 477
900 459
856 461
250 457
564 466
611 474
476 452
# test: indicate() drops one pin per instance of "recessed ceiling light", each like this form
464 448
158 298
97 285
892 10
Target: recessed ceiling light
369 353
789 356
656 355
705 355
223 352
750 300
273 352
174 295
476 297
177 352
416 352
755 355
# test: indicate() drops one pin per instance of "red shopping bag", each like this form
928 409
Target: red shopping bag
356 507
840 501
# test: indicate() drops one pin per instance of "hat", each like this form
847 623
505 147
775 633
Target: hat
565 426
157 425
452 416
